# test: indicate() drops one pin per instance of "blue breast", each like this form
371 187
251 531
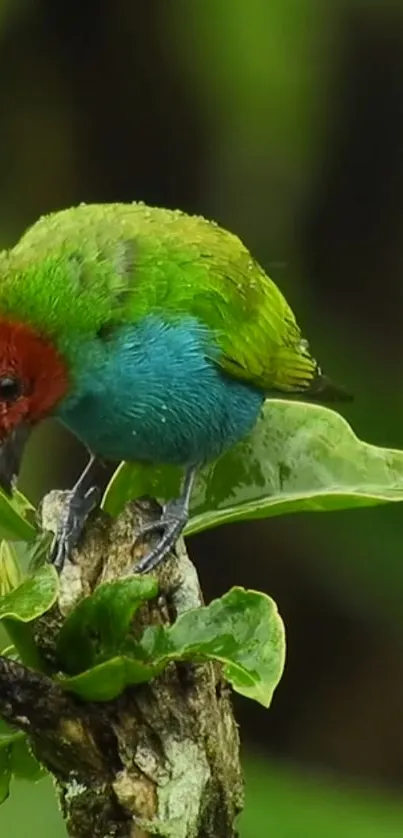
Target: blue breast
151 393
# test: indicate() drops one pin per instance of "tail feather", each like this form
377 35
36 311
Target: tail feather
302 375
323 389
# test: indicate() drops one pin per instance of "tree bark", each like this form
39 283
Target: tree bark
162 758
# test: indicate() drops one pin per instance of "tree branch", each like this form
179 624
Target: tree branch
162 758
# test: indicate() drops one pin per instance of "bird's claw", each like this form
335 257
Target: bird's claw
74 516
171 525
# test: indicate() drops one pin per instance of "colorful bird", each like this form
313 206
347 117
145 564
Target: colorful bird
152 335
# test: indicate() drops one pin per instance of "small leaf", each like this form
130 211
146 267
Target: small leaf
33 597
8 735
23 763
108 680
243 630
13 522
96 628
24 644
10 568
16 760
5 772
299 458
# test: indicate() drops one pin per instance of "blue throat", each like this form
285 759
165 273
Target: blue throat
150 393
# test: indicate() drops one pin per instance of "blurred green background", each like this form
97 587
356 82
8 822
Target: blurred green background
283 120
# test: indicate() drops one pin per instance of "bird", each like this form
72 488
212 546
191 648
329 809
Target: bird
154 336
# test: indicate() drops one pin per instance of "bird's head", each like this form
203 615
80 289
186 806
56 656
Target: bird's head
33 379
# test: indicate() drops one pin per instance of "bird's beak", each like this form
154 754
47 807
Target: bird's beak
11 451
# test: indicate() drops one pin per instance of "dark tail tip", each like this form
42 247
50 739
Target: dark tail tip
323 389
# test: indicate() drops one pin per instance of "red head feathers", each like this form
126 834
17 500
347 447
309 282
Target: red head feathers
33 376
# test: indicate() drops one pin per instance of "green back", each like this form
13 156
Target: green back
81 270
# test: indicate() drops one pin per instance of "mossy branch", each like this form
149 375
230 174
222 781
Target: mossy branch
162 758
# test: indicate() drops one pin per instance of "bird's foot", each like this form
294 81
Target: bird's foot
73 519
171 524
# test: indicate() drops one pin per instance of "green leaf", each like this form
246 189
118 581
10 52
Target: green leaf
24 646
97 627
33 597
243 630
8 735
132 481
299 458
16 760
23 763
10 568
108 680
13 522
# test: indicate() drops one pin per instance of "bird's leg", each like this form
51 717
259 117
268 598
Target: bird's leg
173 520
82 499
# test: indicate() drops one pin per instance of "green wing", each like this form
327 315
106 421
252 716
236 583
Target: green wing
190 266
258 333
81 269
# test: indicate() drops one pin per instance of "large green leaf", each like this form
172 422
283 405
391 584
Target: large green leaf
242 630
132 480
300 457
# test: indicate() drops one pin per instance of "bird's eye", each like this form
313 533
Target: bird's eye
10 388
